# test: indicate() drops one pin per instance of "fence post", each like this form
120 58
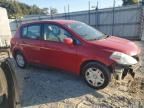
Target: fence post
16 20
68 11
65 12
98 20
39 18
51 16
96 16
141 37
89 13
113 22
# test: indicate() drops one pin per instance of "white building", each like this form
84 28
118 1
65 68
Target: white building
5 32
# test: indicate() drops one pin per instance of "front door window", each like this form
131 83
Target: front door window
31 32
55 33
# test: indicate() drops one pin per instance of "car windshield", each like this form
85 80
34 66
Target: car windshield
86 31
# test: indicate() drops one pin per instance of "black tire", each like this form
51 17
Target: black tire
11 98
106 75
20 54
3 90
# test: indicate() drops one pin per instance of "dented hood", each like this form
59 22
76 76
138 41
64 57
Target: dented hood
118 44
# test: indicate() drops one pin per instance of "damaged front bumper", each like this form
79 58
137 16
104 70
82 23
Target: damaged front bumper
121 71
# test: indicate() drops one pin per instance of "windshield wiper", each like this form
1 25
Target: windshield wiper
107 36
93 39
104 37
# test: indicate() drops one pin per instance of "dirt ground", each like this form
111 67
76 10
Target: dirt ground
47 88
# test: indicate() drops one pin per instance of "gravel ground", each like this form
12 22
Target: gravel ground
49 88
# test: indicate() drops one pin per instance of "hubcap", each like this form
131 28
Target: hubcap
20 60
94 77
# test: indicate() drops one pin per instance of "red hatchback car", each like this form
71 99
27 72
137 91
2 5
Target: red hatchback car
77 48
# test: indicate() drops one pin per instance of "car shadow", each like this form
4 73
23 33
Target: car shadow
42 86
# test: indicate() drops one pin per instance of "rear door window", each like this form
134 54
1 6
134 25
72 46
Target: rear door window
32 31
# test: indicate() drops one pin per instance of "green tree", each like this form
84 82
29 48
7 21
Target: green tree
45 10
24 8
18 9
53 11
35 10
130 2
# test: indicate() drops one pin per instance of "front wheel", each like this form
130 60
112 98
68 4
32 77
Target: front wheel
96 75
20 60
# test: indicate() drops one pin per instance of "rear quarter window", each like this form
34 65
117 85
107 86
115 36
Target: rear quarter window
31 31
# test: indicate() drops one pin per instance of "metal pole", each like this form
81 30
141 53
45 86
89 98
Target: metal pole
51 12
89 12
16 22
65 12
113 17
96 16
68 12
140 28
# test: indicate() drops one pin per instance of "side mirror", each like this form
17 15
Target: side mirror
68 41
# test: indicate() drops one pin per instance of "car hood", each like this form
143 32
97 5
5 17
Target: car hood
113 43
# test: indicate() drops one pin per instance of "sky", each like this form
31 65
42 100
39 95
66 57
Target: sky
74 5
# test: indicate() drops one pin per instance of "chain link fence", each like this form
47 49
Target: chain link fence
124 21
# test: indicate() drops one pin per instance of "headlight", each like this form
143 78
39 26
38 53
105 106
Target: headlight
122 58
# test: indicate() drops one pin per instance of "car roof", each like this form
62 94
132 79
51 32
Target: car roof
54 21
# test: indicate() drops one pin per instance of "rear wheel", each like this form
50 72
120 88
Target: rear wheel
96 75
20 60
